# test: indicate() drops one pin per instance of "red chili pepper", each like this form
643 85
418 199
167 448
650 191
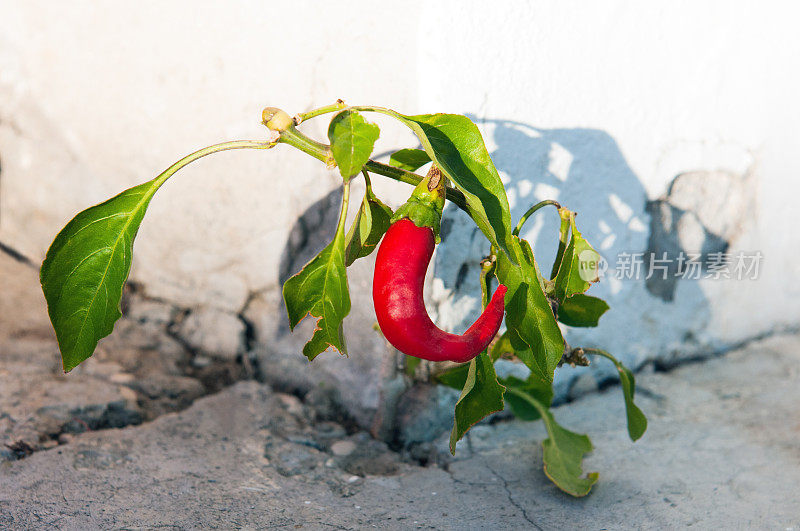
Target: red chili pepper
400 268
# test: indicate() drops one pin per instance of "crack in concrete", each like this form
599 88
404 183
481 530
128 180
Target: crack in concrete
505 485
511 499
670 365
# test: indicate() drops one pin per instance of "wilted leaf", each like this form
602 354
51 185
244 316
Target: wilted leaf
579 266
563 453
637 422
481 396
320 290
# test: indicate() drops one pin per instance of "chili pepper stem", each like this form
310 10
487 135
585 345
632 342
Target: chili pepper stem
426 203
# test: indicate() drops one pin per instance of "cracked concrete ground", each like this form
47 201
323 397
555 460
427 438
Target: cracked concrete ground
722 451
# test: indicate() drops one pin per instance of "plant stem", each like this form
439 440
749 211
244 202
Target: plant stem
216 148
303 116
345 205
531 211
320 151
298 140
598 352
382 110
530 400
453 195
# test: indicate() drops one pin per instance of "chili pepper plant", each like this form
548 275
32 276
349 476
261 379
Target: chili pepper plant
89 261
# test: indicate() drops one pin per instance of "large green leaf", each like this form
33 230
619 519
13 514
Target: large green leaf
582 310
578 267
86 267
531 326
372 221
409 159
563 453
637 422
481 396
352 139
455 144
454 377
88 262
320 290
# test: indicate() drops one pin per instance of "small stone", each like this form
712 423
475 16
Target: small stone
128 394
294 461
292 404
343 448
65 438
213 332
121 378
201 361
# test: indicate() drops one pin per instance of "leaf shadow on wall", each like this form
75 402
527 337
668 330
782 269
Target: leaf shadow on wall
585 171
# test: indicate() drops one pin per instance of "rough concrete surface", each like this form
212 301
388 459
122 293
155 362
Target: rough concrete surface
722 451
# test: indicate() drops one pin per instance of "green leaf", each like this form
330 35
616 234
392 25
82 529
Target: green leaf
88 262
582 310
455 144
531 326
534 387
637 422
320 290
579 266
352 139
454 377
563 453
371 223
481 396
409 159
86 267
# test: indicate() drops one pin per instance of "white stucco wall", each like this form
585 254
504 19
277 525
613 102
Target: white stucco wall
599 105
